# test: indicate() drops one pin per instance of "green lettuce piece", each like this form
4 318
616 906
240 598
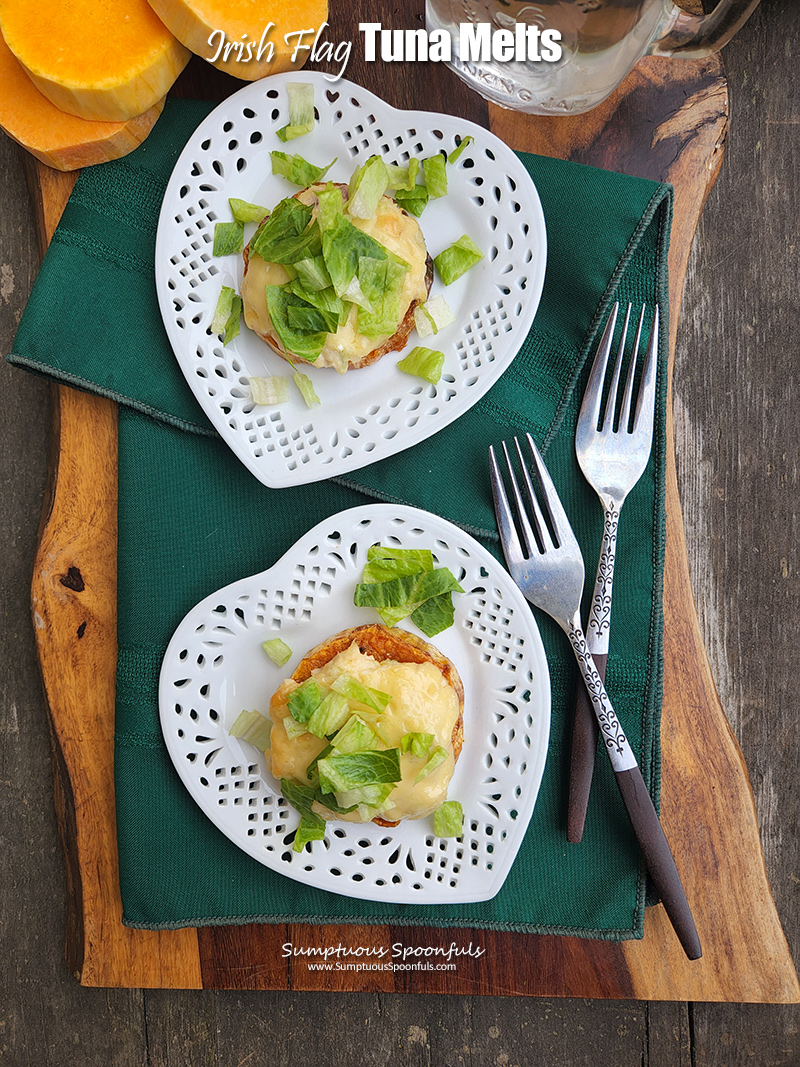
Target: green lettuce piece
233 321
330 206
425 363
455 155
367 185
269 391
369 799
301 111
348 770
243 211
351 688
228 238
355 736
305 700
435 170
335 309
344 246
448 819
457 259
436 759
385 564
403 179
298 342
253 727
397 599
297 170
304 384
382 284
312 274
435 615
330 716
301 797
223 309
293 728
416 743
277 650
306 318
414 200
311 769
288 234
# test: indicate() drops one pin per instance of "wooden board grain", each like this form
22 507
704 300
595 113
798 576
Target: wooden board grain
664 122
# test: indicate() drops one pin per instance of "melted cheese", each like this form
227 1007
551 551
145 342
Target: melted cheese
396 231
421 701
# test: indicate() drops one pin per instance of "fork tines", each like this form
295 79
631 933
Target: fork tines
592 402
538 534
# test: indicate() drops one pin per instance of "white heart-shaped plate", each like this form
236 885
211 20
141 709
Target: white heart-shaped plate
215 667
368 414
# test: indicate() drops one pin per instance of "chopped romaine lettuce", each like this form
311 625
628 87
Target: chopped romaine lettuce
298 170
277 650
416 743
233 320
355 736
293 728
304 384
403 178
269 391
312 274
367 186
330 716
223 309
348 770
413 200
381 282
301 111
330 205
286 235
351 688
344 246
455 155
243 211
384 564
435 170
228 238
423 363
406 596
433 316
252 726
302 343
305 700
436 759
302 797
448 819
457 259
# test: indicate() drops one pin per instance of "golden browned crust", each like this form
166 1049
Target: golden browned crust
395 343
383 643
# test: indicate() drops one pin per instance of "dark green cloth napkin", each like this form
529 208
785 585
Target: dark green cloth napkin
192 519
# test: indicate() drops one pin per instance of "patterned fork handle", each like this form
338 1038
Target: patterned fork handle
584 725
636 797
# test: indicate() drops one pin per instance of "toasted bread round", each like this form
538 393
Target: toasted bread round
388 643
261 324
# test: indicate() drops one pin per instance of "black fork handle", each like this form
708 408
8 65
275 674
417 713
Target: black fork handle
584 751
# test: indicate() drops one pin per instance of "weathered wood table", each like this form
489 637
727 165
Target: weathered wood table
668 121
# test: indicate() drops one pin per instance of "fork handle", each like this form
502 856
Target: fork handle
644 819
584 751
584 724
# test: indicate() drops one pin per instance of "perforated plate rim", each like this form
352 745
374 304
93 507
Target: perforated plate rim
377 411
305 598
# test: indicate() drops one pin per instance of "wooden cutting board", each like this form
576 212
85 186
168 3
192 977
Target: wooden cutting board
668 121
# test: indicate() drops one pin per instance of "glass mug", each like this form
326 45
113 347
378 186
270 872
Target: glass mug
601 40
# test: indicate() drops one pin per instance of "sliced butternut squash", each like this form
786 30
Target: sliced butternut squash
105 60
62 141
231 33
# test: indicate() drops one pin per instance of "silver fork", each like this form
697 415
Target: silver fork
613 458
547 566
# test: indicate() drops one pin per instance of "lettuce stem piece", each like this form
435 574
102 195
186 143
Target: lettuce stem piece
301 111
448 819
456 260
277 650
423 363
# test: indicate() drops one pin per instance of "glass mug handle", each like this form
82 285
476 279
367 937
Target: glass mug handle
695 36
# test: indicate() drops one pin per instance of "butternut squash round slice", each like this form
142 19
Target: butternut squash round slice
105 60
230 34
62 141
